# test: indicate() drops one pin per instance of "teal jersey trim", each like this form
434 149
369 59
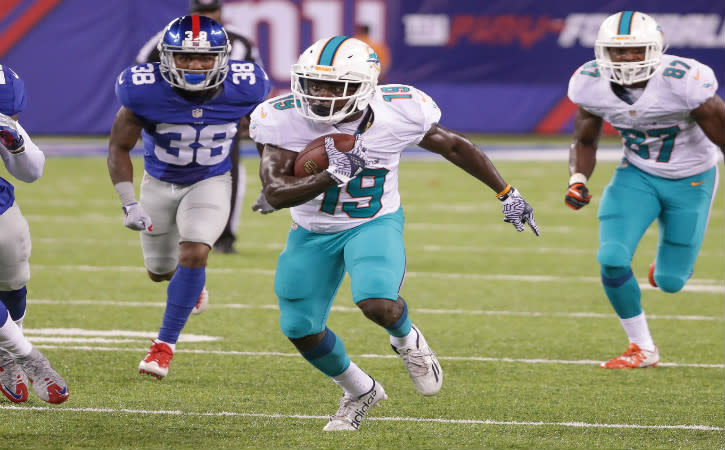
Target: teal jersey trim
327 55
625 22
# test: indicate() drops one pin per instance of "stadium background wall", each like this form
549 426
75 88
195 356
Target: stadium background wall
494 67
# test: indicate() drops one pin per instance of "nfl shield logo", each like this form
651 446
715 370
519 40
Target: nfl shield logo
196 113
631 113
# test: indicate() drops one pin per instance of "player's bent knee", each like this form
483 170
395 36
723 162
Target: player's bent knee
15 278
380 310
295 326
670 283
160 267
613 254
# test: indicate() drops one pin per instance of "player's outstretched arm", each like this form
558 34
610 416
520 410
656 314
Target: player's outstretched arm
582 158
459 150
21 156
279 185
710 116
125 133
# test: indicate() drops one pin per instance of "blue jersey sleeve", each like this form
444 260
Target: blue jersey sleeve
12 92
139 87
248 82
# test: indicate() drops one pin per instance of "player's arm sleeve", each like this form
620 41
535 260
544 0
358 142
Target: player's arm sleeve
701 85
265 84
27 165
428 112
262 129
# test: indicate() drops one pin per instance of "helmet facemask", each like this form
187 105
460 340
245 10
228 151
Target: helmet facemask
632 72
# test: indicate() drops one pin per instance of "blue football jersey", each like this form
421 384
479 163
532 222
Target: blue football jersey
185 139
12 101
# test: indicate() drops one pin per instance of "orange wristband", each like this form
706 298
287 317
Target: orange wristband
505 191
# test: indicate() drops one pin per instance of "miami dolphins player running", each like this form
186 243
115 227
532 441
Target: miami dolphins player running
672 125
187 108
19 360
349 217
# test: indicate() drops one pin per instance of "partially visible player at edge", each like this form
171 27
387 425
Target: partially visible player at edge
672 125
348 217
20 362
187 108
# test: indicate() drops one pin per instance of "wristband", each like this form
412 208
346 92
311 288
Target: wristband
504 192
577 178
125 192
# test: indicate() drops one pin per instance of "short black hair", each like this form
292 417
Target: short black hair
204 5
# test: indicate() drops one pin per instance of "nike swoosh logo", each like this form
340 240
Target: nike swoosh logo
696 183
12 394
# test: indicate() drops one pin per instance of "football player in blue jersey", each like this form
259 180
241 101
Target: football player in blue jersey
186 109
19 360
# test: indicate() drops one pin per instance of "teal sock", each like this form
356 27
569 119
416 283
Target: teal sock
623 291
402 327
329 355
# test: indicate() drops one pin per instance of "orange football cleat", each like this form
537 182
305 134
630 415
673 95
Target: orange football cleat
651 275
633 358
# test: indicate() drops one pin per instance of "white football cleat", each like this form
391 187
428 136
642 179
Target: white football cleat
423 367
353 409
47 384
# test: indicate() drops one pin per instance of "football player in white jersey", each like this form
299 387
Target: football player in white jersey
672 125
19 360
348 218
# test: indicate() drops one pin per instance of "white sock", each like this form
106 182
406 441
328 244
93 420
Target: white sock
13 341
638 332
172 346
409 340
354 381
19 322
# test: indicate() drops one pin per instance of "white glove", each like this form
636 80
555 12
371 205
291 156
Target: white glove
10 137
344 167
136 217
262 205
518 212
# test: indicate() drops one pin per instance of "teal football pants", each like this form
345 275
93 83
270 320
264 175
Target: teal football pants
312 266
630 203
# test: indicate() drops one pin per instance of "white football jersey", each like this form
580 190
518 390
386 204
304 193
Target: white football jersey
658 133
402 117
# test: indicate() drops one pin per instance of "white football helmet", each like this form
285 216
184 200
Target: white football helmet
629 29
352 65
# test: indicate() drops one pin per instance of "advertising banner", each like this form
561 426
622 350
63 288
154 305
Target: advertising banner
493 67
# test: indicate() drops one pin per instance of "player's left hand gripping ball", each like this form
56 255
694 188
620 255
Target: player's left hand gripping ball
518 212
346 166
136 218
10 137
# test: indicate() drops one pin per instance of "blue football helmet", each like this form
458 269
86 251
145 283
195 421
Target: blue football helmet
194 34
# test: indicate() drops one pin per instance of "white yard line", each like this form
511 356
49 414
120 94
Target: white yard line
584 362
591 315
694 285
63 409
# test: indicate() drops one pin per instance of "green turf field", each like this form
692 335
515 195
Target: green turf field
519 324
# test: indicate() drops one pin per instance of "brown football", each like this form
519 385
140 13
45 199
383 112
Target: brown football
313 158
